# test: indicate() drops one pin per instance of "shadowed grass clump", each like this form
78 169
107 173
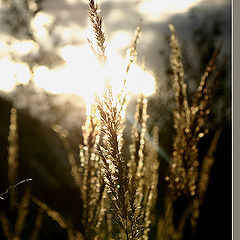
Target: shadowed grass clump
187 179
189 120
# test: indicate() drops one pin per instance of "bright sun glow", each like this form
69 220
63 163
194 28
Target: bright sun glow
83 75
13 73
155 10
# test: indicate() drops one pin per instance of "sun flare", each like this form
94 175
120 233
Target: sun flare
83 75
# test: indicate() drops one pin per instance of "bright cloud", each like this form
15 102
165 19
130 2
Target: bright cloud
156 10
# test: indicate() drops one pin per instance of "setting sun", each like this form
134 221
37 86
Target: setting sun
84 76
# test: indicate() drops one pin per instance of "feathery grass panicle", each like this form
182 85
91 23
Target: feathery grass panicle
12 155
179 85
202 100
132 56
93 190
136 166
111 153
203 90
178 171
100 37
115 166
88 177
131 189
189 120
151 165
143 171
132 51
138 136
125 188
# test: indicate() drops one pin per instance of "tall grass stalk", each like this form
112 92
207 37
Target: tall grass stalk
99 46
13 231
12 156
88 176
124 179
189 120
186 178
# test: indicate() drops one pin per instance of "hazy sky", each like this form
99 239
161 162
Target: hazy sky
120 20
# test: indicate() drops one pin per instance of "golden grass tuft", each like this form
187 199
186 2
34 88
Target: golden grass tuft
100 37
189 120
185 176
127 180
88 176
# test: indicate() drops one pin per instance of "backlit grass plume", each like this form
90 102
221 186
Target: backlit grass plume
115 168
99 46
186 178
189 120
124 178
132 51
131 183
127 190
132 56
88 176
92 176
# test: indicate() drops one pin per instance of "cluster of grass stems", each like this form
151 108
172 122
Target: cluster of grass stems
119 193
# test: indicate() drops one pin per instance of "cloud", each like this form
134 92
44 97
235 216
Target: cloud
121 18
